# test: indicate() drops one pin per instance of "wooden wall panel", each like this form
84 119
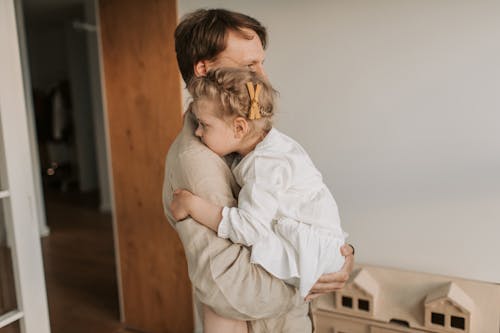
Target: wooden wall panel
143 97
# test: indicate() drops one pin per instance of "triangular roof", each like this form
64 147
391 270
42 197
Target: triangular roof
454 293
366 282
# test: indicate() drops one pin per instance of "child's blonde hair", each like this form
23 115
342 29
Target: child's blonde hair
228 87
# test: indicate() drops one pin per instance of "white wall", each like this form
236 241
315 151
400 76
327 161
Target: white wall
397 103
97 106
82 113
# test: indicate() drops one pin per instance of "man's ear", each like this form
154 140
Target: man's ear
240 127
201 68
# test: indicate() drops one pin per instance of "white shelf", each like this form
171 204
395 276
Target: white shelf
10 317
4 194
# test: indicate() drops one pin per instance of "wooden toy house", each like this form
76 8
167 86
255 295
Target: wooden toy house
381 300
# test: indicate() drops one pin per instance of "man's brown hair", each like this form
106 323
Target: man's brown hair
202 35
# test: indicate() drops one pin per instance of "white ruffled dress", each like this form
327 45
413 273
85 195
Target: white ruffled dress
285 213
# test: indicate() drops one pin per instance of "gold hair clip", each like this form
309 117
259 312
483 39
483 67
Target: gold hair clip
254 97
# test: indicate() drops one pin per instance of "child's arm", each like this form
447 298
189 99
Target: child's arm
257 204
186 204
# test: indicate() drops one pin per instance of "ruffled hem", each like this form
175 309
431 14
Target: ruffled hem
300 253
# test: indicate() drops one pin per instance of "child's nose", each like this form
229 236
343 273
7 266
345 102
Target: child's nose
198 132
259 68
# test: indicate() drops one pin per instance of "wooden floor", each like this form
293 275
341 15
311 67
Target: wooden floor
79 264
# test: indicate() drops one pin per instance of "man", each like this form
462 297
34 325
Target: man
221 272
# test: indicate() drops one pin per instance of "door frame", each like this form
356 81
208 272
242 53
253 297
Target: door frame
19 197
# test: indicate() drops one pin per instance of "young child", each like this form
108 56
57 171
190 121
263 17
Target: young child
285 212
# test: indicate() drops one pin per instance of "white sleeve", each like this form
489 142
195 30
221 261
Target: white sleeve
257 202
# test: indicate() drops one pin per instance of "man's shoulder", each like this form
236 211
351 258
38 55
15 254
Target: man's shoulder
190 163
187 150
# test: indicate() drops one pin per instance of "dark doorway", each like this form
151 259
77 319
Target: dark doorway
64 92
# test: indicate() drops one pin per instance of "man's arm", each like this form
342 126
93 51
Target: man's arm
220 271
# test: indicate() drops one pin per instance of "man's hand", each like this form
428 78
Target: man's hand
334 281
179 207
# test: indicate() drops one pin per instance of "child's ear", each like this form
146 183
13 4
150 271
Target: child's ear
240 127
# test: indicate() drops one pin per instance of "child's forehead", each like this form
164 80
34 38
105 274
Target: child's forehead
204 107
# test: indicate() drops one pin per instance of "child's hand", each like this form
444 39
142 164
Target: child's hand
179 207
